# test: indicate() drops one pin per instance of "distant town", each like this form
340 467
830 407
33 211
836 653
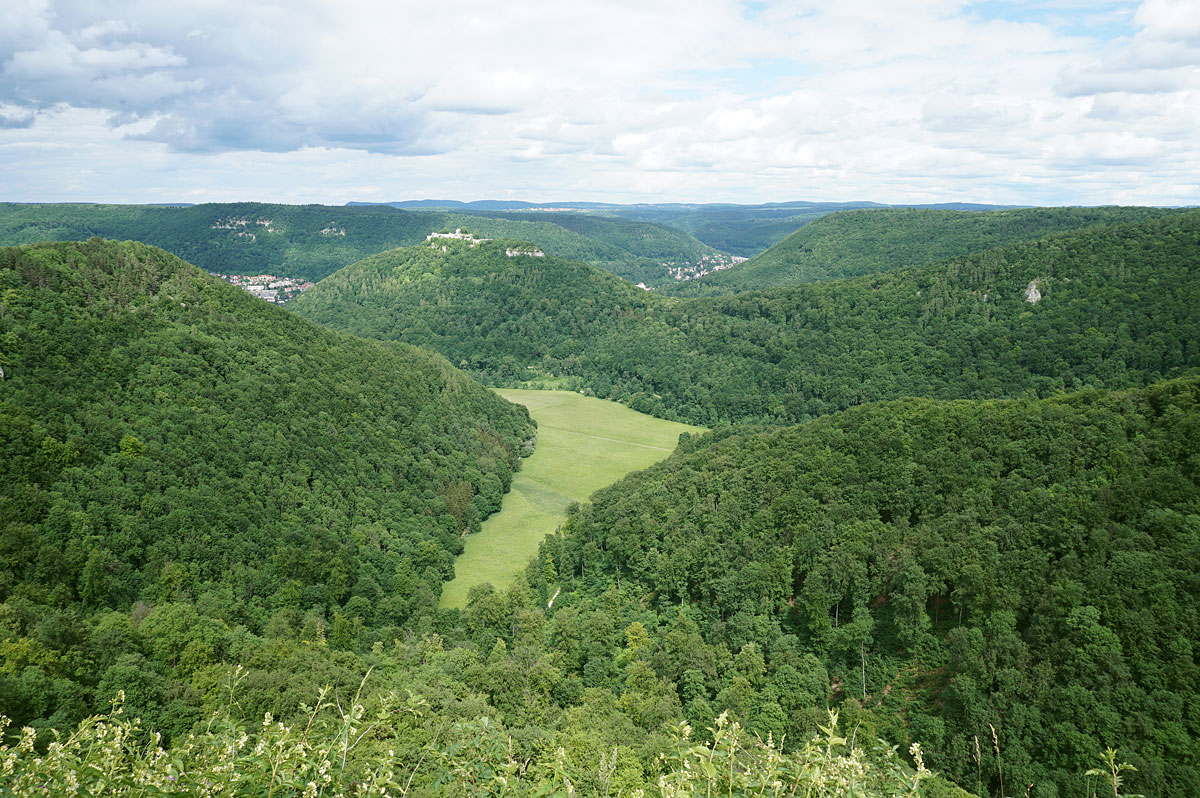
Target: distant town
268 287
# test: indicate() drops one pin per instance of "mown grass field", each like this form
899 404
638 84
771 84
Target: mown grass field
583 445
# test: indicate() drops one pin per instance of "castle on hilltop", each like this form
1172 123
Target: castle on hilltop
459 234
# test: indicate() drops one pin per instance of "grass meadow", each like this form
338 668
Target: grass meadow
583 445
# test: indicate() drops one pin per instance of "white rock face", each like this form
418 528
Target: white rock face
1032 294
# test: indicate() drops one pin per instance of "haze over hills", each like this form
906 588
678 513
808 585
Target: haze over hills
1111 306
489 205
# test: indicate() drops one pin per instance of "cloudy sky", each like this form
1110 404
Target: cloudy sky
1059 102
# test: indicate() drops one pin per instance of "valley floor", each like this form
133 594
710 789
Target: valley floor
584 444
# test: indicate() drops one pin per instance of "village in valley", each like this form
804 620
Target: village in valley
268 287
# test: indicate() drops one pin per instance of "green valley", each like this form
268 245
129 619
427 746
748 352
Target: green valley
1116 306
734 399
583 445
945 518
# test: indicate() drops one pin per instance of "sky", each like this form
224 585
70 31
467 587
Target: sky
1064 102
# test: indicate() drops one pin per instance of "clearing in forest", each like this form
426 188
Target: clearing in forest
583 445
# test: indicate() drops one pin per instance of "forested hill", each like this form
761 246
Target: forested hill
636 251
1012 583
644 239
168 438
495 315
235 522
309 241
1110 306
313 241
857 242
744 230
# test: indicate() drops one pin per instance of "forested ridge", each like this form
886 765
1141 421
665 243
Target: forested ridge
561 242
492 311
167 436
313 241
307 241
217 511
747 230
738 229
744 230
857 242
214 511
1022 566
634 250
1117 305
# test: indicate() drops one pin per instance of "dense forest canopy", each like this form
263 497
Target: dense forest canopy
313 241
1027 566
1116 305
167 436
858 242
738 229
214 509
635 251
307 241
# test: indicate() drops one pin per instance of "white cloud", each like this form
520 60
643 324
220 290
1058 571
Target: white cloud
1170 19
605 99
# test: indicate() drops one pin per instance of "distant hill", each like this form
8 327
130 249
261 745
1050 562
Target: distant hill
858 242
168 438
488 205
1117 306
313 241
743 230
309 241
493 315
640 252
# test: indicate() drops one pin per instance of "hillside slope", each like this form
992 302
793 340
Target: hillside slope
495 315
309 241
313 241
853 243
167 438
1116 306
637 251
1012 583
744 230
